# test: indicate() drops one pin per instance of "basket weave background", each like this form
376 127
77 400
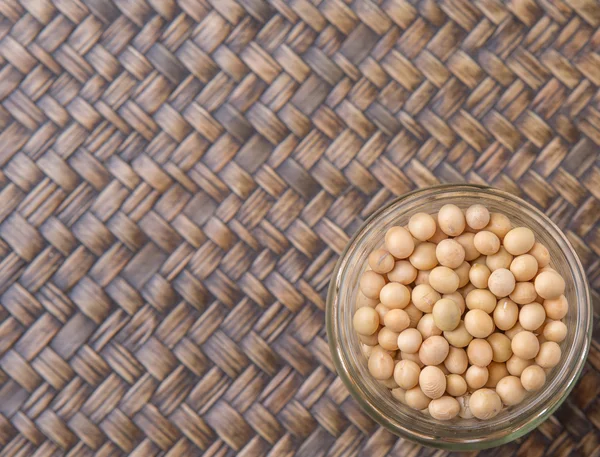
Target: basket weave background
178 178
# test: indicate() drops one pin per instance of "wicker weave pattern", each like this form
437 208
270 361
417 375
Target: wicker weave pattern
177 179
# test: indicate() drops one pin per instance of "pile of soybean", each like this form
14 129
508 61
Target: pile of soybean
460 314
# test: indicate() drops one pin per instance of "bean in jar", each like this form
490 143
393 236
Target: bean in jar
409 341
444 408
460 314
406 374
456 385
432 382
450 253
533 378
381 261
519 240
477 216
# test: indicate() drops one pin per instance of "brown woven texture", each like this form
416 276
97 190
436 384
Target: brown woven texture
178 179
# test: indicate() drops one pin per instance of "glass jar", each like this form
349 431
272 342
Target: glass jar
457 434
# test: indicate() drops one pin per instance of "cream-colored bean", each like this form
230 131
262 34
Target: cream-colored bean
403 272
434 350
409 341
479 323
381 261
463 274
523 293
548 355
476 377
394 295
366 321
446 314
381 311
451 220
556 308
501 259
450 253
477 216
555 331
427 327
533 378
396 320
444 280
532 316
424 297
422 226
485 404
501 282
525 345
481 299
422 277
519 240
416 398
479 275
501 347
457 298
432 382
381 364
511 332
459 337
496 371
515 365
487 243
479 353
423 257
399 242
362 300
466 240
549 285
506 314
414 314
456 361
510 390
412 357
444 408
541 254
406 374
387 339
524 267
371 284
456 385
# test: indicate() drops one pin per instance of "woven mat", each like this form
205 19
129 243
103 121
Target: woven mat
178 178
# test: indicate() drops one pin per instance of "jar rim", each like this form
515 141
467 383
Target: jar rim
540 408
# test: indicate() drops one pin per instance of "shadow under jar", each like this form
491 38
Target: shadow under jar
457 434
